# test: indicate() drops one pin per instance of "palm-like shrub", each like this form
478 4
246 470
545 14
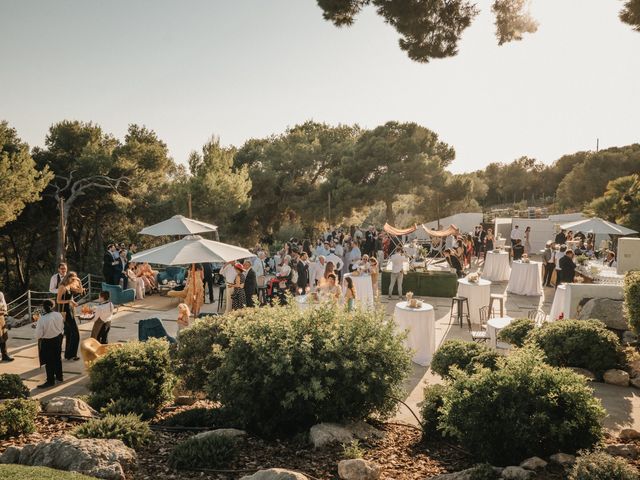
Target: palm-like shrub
463 355
130 429
12 386
516 332
601 466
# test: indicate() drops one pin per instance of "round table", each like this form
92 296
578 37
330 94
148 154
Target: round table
496 266
478 295
420 325
494 325
525 279
364 289
560 304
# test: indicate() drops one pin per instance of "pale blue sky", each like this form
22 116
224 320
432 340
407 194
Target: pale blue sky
249 68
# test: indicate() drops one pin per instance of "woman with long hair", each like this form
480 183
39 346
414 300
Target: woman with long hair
238 296
527 244
488 242
350 293
69 287
374 270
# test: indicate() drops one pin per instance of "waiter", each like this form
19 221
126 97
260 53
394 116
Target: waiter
49 332
54 283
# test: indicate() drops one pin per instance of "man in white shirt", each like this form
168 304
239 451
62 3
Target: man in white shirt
229 273
339 250
316 270
57 278
49 330
337 261
516 234
397 271
258 264
323 249
102 319
354 256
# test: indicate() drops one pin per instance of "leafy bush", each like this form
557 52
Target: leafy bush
516 332
463 355
211 451
433 401
135 378
522 409
601 466
202 417
12 386
352 450
130 429
18 416
483 471
22 472
632 299
579 343
285 369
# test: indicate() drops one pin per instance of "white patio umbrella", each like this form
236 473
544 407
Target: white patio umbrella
192 249
597 226
178 225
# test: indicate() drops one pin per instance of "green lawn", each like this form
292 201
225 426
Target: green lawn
19 472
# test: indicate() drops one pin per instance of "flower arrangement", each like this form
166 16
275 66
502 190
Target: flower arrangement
581 259
525 258
473 277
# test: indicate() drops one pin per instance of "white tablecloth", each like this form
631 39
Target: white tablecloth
478 295
494 325
421 326
525 279
496 267
561 303
364 289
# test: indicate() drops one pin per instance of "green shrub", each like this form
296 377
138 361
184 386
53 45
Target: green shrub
22 472
483 471
210 451
632 299
352 450
516 332
463 355
433 401
601 466
202 417
522 409
12 386
135 378
286 369
18 416
130 429
579 343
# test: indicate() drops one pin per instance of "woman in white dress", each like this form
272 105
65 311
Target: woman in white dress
527 244
136 282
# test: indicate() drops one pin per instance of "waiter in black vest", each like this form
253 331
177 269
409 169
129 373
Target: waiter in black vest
54 283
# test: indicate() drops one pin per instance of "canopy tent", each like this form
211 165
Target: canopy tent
398 231
597 226
450 230
178 225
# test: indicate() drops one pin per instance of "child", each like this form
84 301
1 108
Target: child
183 316
350 294
103 314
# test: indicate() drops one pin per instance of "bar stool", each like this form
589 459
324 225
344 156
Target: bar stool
221 296
500 298
459 304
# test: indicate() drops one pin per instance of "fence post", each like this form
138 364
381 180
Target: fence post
29 304
89 289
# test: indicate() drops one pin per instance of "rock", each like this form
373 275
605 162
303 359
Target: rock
462 475
629 337
275 474
616 377
325 433
516 473
533 463
635 382
627 450
606 310
69 406
358 469
633 367
563 459
629 433
100 458
223 432
364 431
185 400
584 372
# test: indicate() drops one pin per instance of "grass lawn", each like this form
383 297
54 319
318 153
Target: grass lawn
19 472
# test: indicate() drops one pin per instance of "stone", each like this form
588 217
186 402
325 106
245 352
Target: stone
365 431
516 473
629 433
222 432
275 474
462 475
69 406
185 400
616 377
100 458
629 337
326 433
635 382
358 469
633 367
627 450
584 372
533 463
607 310
563 459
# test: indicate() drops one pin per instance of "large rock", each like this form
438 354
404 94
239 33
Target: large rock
358 469
629 337
635 382
606 310
633 367
106 459
629 434
275 474
533 463
223 432
69 406
516 473
326 433
364 431
627 450
616 377
563 459
584 372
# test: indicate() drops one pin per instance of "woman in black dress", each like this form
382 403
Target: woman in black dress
238 296
69 286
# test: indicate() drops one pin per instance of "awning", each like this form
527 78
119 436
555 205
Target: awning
450 230
397 231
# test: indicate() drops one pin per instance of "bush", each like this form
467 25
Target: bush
21 472
202 417
12 386
463 355
352 450
579 343
632 299
135 378
525 408
433 401
483 471
516 332
130 429
18 416
601 466
211 451
285 369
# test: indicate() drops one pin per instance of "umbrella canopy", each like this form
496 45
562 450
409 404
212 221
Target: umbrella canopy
192 249
178 225
597 226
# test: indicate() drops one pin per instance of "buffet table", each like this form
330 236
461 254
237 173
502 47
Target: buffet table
496 266
364 289
525 279
425 284
419 323
477 293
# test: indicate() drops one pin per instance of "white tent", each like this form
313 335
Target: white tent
192 249
597 226
178 225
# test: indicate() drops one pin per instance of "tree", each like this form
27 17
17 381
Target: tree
512 20
620 202
21 181
630 14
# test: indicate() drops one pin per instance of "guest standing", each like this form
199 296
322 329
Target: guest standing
183 316
108 266
453 262
350 294
49 331
69 287
207 279
374 270
527 243
397 271
54 283
488 241
4 332
238 297
549 264
567 267
250 283
516 235
518 250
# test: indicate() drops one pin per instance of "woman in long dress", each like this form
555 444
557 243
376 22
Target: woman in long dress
527 244
135 281
238 296
194 291
374 270
69 286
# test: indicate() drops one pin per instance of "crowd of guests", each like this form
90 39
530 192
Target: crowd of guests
118 269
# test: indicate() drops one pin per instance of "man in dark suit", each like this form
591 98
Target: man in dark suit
120 270
108 266
561 238
208 279
567 268
250 283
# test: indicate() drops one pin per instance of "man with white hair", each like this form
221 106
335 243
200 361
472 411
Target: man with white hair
317 270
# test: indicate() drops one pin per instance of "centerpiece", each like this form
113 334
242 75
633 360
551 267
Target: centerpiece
473 277
525 258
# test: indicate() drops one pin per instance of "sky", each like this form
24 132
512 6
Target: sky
251 68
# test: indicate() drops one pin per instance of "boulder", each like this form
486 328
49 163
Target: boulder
607 310
275 474
563 459
358 469
633 367
629 337
69 406
629 433
627 450
185 400
365 431
325 433
516 473
616 377
584 372
533 463
635 382
222 432
100 458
